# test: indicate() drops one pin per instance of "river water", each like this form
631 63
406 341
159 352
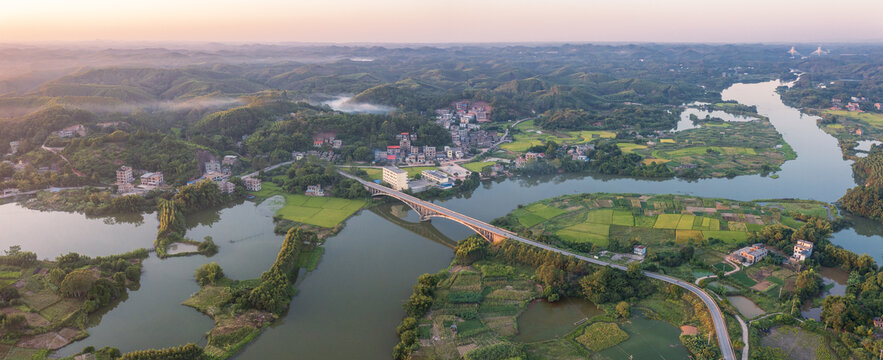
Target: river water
349 306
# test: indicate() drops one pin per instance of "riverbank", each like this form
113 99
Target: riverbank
497 305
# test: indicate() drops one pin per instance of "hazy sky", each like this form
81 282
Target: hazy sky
442 20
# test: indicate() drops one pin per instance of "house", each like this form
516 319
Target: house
395 177
393 150
853 106
229 160
749 255
314 190
877 106
435 176
336 144
13 147
212 167
152 179
296 155
252 183
640 250
226 187
124 175
802 250
70 131
878 322
858 132
429 151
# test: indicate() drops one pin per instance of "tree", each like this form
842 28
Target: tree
471 249
209 274
623 309
77 283
807 285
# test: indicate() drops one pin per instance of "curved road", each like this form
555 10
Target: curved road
720 326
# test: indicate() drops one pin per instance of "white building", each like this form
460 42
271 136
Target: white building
395 177
124 175
314 190
802 250
435 176
13 147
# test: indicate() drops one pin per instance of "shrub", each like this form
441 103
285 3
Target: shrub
208 274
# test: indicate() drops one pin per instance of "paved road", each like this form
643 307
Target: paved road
268 168
717 316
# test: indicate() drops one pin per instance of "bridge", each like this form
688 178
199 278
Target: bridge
428 210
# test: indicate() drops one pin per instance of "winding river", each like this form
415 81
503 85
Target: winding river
349 306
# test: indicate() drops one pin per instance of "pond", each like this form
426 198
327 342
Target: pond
834 280
648 339
544 320
745 306
686 123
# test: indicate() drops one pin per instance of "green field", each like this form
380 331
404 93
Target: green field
326 212
703 150
623 217
536 213
630 147
667 221
600 216
477 166
586 233
872 119
530 137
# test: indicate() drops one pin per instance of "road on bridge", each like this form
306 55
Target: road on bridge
717 316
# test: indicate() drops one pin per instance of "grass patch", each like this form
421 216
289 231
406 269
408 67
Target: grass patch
326 212
477 166
414 171
600 336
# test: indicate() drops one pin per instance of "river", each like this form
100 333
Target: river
349 306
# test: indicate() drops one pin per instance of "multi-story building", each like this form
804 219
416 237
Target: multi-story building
429 151
802 250
13 147
124 175
212 166
70 131
226 186
252 183
395 177
152 179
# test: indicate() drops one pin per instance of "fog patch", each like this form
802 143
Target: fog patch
345 104
163 106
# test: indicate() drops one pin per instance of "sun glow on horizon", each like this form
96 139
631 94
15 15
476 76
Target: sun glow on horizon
440 21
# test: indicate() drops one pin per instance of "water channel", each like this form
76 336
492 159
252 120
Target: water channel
349 306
